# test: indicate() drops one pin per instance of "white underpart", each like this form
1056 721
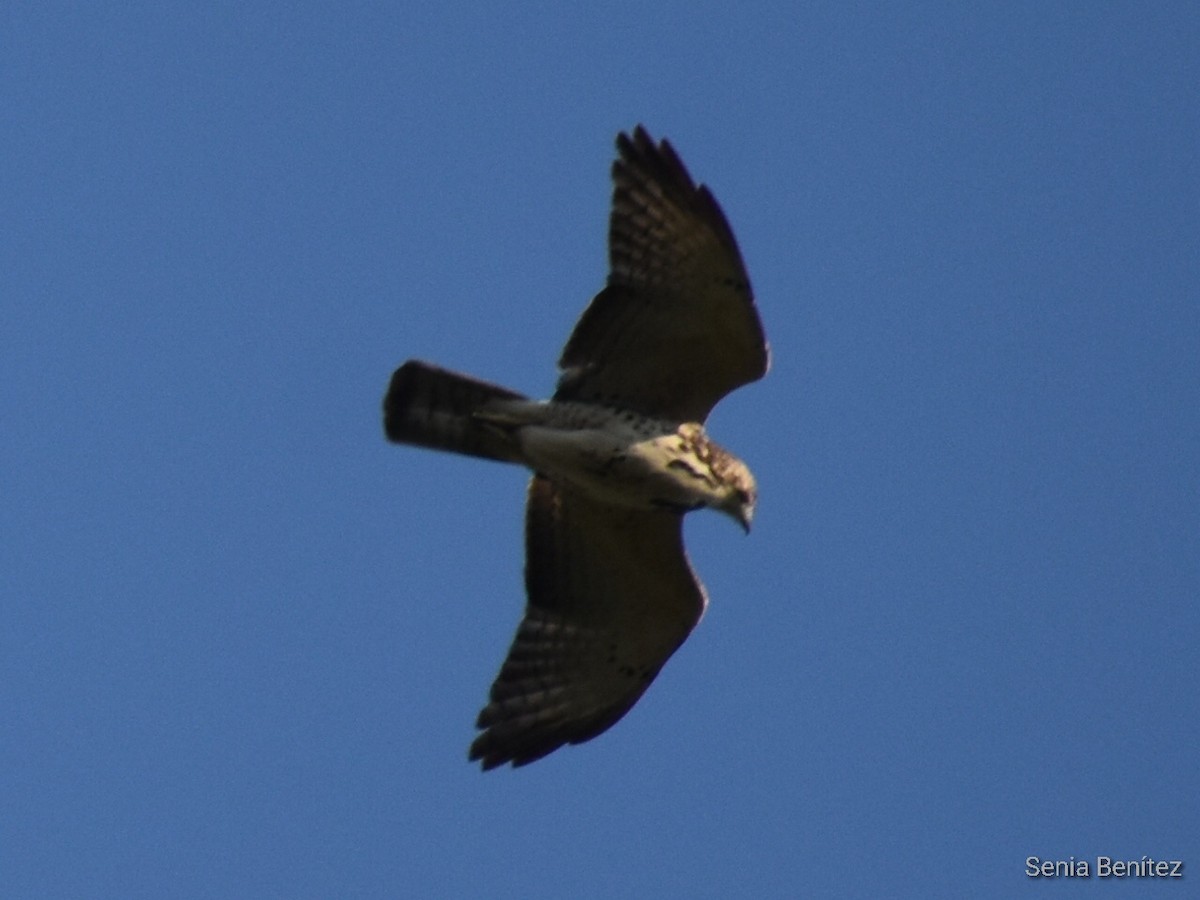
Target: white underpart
614 457
616 465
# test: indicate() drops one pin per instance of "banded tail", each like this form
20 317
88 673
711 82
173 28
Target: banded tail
432 407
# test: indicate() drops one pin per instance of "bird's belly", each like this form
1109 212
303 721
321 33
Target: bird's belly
613 468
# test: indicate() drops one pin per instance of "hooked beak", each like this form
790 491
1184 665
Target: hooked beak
744 515
741 511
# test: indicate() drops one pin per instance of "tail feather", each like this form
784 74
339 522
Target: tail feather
436 408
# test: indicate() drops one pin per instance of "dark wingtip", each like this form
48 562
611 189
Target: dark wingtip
639 148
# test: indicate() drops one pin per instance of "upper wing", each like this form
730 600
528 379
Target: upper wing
611 597
676 328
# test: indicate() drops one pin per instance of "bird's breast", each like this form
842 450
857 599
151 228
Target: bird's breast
622 463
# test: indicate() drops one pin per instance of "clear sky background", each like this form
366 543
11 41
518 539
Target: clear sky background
244 639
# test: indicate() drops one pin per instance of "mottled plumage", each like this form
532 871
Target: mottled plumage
619 454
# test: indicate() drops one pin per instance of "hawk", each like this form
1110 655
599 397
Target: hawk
619 454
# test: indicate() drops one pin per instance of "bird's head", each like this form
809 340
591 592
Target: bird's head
723 481
738 493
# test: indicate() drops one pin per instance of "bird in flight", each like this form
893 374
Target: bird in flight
619 454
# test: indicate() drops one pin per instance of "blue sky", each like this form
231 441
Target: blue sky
244 639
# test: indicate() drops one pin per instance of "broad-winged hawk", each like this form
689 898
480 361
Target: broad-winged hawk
619 454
